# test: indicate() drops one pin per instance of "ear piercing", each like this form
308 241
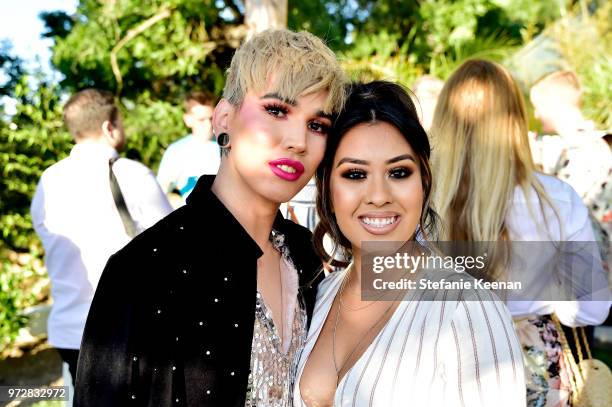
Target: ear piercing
223 140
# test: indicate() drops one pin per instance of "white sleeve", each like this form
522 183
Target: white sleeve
484 362
584 268
38 213
37 210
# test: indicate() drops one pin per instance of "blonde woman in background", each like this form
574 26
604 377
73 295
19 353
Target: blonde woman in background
487 185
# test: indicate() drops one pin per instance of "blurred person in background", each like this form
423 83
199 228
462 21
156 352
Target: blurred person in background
302 209
427 89
75 213
487 189
196 154
572 149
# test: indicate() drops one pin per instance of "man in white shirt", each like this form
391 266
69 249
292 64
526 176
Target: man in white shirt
193 155
77 219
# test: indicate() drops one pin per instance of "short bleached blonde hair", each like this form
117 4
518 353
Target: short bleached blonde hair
560 87
293 64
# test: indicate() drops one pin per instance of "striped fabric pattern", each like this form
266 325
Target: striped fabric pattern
446 352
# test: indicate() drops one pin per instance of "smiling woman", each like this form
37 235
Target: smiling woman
381 122
374 184
383 195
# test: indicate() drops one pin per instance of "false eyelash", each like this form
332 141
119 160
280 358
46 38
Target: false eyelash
276 106
324 127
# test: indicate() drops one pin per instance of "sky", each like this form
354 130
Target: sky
19 23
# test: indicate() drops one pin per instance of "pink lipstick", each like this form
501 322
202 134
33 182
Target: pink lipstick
287 169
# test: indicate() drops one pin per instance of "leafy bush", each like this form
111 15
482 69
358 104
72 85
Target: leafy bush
23 283
11 299
379 56
592 63
151 125
33 140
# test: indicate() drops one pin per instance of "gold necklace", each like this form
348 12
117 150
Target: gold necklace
338 370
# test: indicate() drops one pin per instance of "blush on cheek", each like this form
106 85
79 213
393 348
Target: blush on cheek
248 114
257 128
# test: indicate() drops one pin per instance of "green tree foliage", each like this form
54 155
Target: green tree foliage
11 69
151 125
592 63
150 53
435 36
10 305
164 47
22 284
33 140
325 19
58 24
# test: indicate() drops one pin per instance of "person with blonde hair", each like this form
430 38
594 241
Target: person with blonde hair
487 189
572 149
210 306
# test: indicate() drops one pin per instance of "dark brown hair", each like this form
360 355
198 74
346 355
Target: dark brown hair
86 110
199 98
373 102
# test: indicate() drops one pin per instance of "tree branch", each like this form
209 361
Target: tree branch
163 13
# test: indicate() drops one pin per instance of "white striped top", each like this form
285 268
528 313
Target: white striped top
430 353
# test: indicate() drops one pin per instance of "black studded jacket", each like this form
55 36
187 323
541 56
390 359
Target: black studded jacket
172 319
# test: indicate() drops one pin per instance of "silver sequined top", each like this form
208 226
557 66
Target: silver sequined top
273 366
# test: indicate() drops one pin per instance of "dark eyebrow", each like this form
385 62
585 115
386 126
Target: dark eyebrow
290 102
400 158
353 161
293 103
324 115
364 162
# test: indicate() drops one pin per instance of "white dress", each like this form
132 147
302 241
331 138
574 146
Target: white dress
429 353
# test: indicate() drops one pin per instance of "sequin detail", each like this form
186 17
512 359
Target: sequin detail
273 372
